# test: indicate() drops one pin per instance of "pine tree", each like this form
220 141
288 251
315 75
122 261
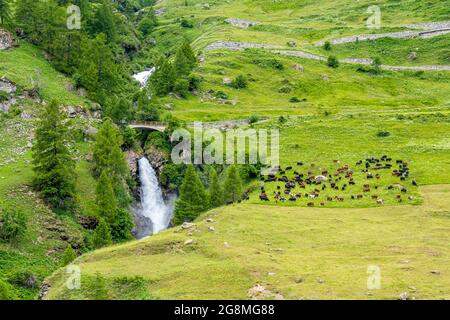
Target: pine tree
104 198
5 12
98 72
193 198
27 16
107 140
54 167
233 185
215 190
185 60
104 22
102 235
68 256
122 226
163 80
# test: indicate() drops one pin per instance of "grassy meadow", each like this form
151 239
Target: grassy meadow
295 253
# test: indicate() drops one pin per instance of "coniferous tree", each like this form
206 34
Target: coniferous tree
104 198
163 80
68 256
5 12
27 16
98 72
102 235
104 22
54 167
215 190
121 226
185 60
193 198
108 139
233 185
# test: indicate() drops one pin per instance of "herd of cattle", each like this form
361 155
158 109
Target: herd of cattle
318 181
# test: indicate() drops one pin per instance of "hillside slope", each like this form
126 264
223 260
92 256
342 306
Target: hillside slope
294 253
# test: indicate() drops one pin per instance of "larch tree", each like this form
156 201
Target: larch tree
215 190
193 198
233 185
53 165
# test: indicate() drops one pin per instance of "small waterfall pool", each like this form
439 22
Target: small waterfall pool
153 206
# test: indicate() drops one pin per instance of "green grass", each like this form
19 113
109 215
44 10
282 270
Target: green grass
434 51
27 67
40 250
343 90
287 250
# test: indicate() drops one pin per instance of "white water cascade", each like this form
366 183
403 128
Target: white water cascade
152 202
144 76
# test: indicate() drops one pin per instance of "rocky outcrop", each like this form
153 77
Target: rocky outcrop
7 91
6 40
227 45
156 158
132 158
244 24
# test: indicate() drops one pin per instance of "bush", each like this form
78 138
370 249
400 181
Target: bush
13 225
285 89
181 88
194 82
282 119
333 62
269 63
383 134
294 100
221 95
253 118
327 46
240 82
24 278
186 23
68 256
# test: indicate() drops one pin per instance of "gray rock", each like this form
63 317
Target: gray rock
244 24
6 40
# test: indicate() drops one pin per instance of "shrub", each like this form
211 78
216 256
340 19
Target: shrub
221 95
327 46
186 23
24 278
282 119
253 118
181 88
383 134
13 225
285 89
294 100
194 82
68 256
102 235
269 63
333 62
240 82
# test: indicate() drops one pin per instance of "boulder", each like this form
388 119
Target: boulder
298 67
6 40
292 44
412 55
7 86
243 24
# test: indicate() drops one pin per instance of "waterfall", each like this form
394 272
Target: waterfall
152 202
142 77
